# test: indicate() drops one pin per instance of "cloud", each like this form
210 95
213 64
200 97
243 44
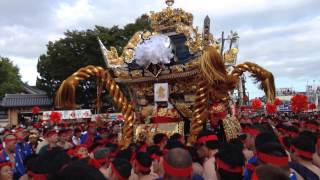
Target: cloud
72 15
27 68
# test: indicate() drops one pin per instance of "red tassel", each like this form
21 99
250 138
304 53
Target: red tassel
277 102
271 108
312 106
55 117
299 103
256 103
35 110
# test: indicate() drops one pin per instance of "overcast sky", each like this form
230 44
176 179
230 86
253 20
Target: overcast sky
281 35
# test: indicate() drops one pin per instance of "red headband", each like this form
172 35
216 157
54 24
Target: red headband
81 146
254 176
51 133
141 167
274 160
116 172
311 126
179 172
302 153
5 164
37 176
227 167
19 130
292 134
219 115
155 157
7 140
207 138
253 132
102 161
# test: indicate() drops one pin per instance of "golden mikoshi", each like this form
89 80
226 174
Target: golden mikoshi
204 75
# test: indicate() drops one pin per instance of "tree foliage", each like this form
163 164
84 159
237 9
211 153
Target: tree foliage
79 49
10 80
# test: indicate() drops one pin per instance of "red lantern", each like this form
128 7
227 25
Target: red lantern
271 108
256 103
299 103
312 106
35 110
277 102
55 117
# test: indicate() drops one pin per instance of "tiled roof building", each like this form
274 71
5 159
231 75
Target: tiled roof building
13 107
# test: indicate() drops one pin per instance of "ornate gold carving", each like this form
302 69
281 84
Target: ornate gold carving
149 130
194 39
136 73
121 73
169 18
128 51
231 127
192 64
216 108
230 56
184 109
113 58
177 68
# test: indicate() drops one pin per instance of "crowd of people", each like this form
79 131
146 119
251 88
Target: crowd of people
269 148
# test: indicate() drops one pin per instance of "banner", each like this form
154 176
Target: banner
71 114
284 108
108 117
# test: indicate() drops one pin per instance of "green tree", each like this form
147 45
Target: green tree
10 80
79 49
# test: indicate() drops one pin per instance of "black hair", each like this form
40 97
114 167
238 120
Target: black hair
194 155
312 136
209 144
113 147
263 138
123 167
176 136
124 154
50 162
111 136
304 143
237 142
133 147
144 159
266 128
173 143
61 132
78 170
77 130
274 149
292 129
286 142
94 145
232 155
154 150
158 138
267 172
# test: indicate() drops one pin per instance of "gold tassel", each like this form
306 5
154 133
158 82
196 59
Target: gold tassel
261 75
212 66
65 97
